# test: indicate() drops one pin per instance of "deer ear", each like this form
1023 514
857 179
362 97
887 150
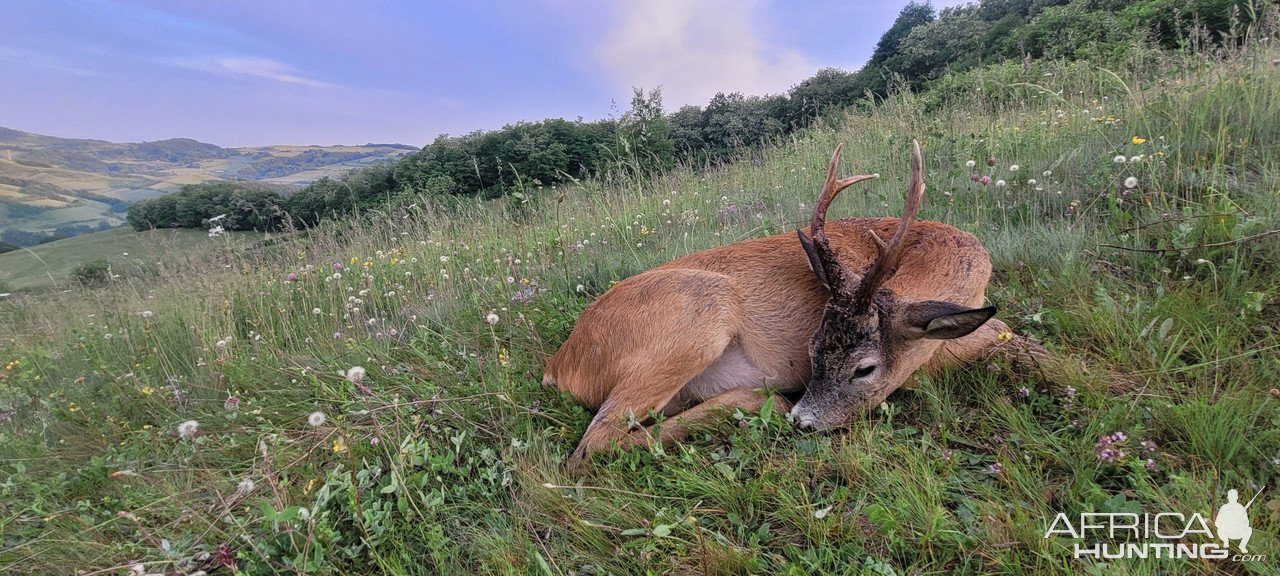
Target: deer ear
814 262
943 320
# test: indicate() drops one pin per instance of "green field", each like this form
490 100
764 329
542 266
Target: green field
51 265
199 418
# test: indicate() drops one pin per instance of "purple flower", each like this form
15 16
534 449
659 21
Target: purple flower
1071 392
338 267
232 403
292 277
986 180
337 335
1024 392
975 177
1148 446
995 469
1151 465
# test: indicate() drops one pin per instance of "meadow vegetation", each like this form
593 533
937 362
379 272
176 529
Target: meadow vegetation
364 396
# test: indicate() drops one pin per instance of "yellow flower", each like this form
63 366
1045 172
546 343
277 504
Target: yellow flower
148 391
72 407
311 484
1005 336
339 445
1138 141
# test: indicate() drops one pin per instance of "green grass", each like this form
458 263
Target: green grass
447 457
51 265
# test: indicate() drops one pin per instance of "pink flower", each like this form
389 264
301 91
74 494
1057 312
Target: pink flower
986 180
292 277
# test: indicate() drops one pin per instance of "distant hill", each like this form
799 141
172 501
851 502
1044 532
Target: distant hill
48 183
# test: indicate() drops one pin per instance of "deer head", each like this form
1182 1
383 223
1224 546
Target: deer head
865 328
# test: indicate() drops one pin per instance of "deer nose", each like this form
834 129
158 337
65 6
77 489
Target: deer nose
805 420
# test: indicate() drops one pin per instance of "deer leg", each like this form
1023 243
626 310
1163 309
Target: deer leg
632 400
678 427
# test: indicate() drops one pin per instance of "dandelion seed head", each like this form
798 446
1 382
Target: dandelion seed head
491 319
316 419
355 374
188 429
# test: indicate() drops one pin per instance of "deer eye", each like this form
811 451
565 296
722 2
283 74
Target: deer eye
864 371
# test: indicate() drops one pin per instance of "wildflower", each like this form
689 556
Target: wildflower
1131 182
985 180
1135 159
245 486
231 403
991 161
1150 465
315 311
148 391
337 335
1031 182
221 344
1119 159
304 514
1071 391
356 374
1024 392
1137 141
188 429
338 267
339 445
970 164
316 419
1014 168
107 336
1000 183
995 469
1047 173
1148 446
444 259
491 319
975 177
1005 336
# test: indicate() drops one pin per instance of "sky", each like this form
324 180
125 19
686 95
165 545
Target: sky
324 72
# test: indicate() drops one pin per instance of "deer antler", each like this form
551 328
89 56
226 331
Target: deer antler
890 255
821 257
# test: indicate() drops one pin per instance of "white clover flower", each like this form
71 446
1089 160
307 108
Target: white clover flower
1131 182
316 419
444 259
491 319
1014 168
1000 183
315 311
1119 159
188 429
356 374
970 164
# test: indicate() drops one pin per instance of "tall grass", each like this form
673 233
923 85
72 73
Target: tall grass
445 456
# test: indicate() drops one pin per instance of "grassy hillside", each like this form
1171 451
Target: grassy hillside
209 417
51 265
71 179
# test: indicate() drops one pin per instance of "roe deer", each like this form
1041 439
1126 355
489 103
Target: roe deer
840 315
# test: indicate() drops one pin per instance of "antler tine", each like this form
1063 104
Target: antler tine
889 255
829 191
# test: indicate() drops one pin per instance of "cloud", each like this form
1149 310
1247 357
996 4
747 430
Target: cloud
268 69
257 67
695 49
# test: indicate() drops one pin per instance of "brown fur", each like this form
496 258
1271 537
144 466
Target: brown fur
706 331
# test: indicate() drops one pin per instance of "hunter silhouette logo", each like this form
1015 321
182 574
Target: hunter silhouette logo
1169 534
1232 521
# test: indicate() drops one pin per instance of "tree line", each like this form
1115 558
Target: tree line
920 48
